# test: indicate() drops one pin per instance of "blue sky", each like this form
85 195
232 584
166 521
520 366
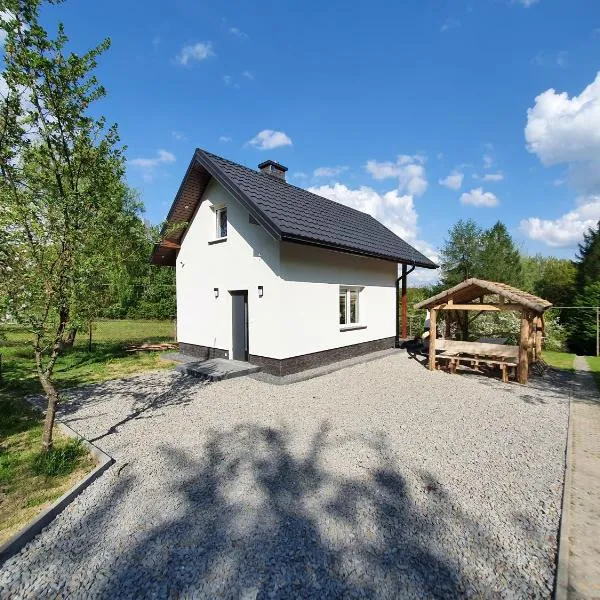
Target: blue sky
415 111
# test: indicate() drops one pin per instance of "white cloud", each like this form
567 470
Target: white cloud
329 171
526 3
248 74
267 139
5 16
493 177
566 130
229 82
450 23
238 33
568 229
224 138
164 156
488 161
478 197
149 165
395 210
551 59
179 136
558 182
195 52
453 181
409 171
562 129
365 198
3 87
299 175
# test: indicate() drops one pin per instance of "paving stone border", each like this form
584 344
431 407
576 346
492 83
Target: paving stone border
561 580
21 538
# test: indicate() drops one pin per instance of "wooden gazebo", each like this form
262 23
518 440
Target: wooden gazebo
482 296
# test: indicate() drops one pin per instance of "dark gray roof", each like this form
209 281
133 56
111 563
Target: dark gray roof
293 214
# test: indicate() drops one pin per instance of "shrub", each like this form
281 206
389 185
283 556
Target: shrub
555 334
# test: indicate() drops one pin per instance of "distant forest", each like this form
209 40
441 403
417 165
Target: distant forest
492 254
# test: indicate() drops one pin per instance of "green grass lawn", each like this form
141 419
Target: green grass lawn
29 481
559 360
109 358
594 364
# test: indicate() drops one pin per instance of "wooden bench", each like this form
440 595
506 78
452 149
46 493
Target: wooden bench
478 353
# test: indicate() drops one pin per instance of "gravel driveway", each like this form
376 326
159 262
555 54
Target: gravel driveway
382 480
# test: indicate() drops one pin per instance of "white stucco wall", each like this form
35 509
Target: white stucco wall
248 258
312 278
298 313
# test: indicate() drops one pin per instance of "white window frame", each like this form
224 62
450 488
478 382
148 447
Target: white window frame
346 290
218 211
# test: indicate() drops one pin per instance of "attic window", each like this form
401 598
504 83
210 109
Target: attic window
221 222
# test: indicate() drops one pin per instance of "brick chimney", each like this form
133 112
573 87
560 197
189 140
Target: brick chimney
272 168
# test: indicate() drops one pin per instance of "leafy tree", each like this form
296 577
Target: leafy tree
557 281
499 259
588 258
64 207
473 252
582 331
461 253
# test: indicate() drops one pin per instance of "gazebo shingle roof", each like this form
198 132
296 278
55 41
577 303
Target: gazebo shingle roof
474 288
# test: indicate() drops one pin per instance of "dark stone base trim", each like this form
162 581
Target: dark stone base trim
295 364
202 352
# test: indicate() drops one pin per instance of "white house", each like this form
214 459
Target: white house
270 273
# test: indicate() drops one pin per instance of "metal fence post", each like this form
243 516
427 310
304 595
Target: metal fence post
597 330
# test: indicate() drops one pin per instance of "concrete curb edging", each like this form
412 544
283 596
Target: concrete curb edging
21 538
561 581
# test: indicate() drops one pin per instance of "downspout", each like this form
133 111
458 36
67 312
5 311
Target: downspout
402 298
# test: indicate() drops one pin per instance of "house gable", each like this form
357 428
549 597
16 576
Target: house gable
288 213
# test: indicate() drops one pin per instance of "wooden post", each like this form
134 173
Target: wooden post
531 342
523 348
432 336
404 304
538 337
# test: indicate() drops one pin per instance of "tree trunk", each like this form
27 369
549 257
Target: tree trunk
90 336
68 343
463 321
52 396
45 375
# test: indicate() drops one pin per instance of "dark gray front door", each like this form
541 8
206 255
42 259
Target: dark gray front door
239 305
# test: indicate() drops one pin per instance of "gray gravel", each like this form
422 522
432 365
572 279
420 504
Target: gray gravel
382 480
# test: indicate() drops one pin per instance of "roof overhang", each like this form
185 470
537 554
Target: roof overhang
349 250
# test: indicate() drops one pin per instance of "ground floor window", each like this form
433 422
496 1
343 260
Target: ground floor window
349 305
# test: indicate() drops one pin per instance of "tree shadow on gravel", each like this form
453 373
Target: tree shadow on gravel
145 396
254 519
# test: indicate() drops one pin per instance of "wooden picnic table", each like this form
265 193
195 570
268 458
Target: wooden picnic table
476 353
